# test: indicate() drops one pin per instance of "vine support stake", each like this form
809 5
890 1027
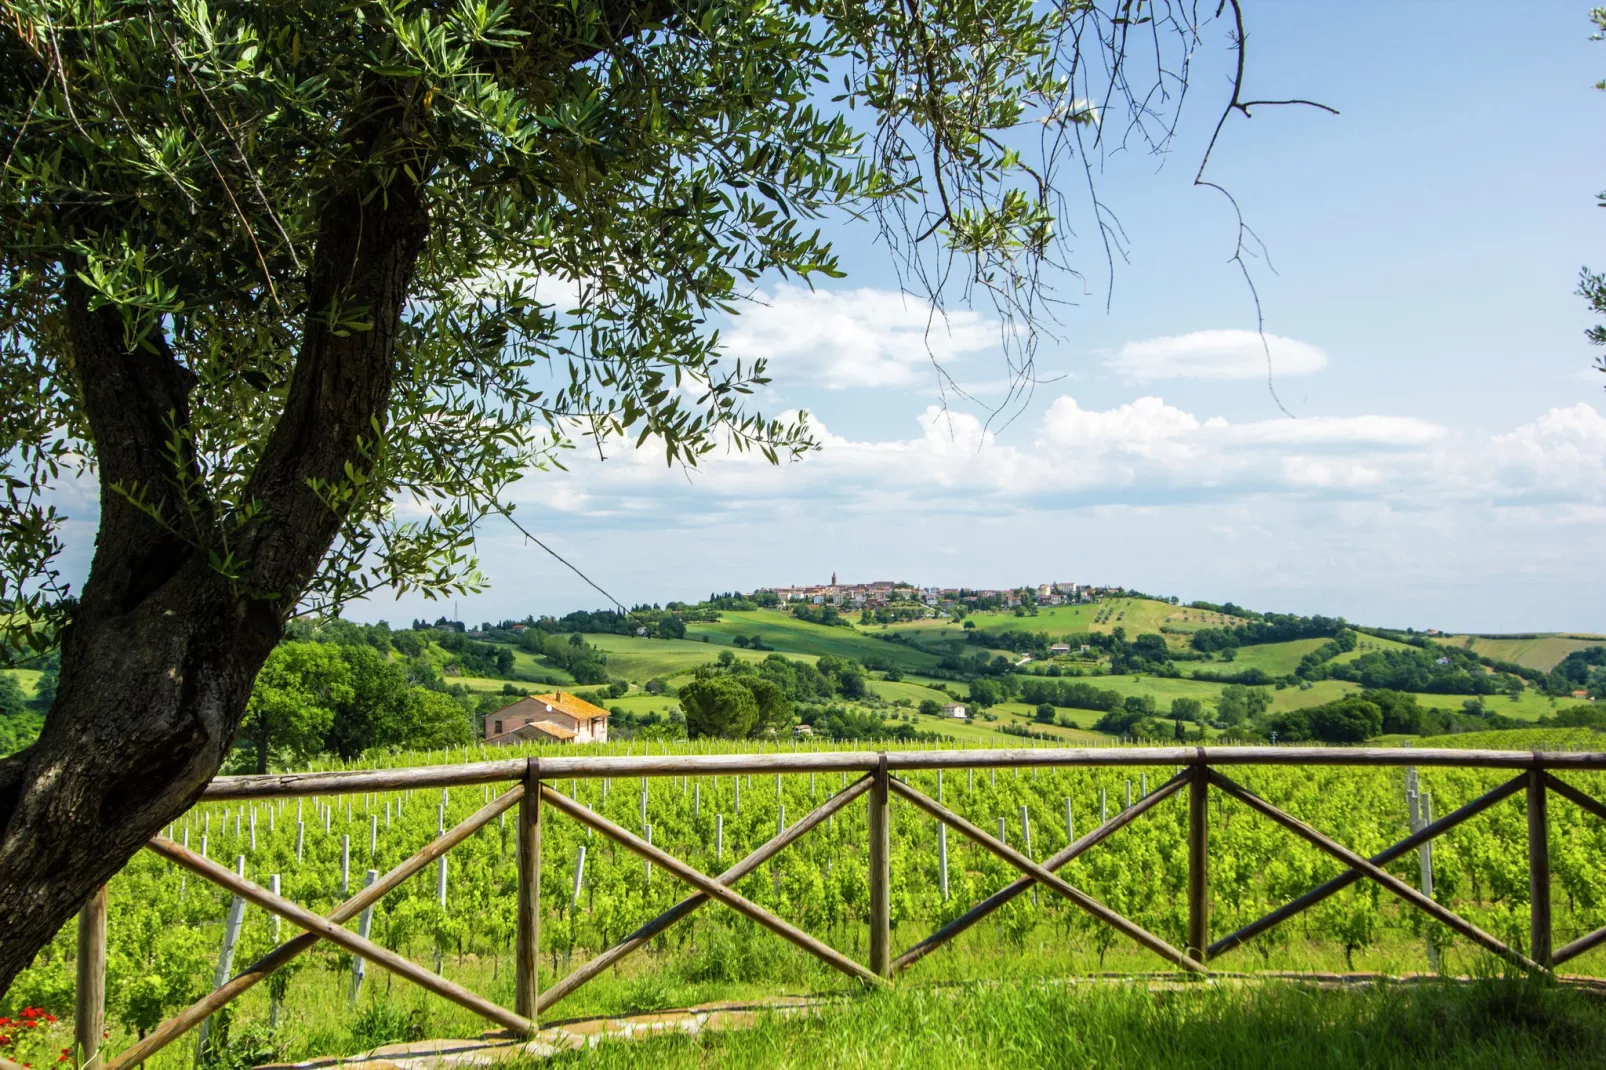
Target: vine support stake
1538 868
90 1013
528 952
880 873
1199 861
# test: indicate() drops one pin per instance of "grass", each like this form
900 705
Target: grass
1544 652
1278 659
789 635
1371 644
892 690
1136 615
1530 705
1483 1024
639 659
28 680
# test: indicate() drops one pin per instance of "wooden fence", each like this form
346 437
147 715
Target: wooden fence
530 791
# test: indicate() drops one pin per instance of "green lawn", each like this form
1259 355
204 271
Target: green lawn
1129 1026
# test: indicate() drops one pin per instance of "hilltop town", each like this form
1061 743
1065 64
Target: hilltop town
891 593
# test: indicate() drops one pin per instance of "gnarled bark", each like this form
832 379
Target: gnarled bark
158 662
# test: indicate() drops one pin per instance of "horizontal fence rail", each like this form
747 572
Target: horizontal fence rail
531 795
289 785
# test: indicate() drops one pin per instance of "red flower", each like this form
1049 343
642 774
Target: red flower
50 1017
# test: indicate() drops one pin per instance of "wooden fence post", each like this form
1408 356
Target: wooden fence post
1538 869
90 1014
880 874
528 953
1198 863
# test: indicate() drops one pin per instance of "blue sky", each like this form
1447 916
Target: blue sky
1445 464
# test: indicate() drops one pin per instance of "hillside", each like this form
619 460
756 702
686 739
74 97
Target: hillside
1542 652
936 660
1136 666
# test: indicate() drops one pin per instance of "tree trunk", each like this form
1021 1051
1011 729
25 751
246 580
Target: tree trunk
158 662
148 705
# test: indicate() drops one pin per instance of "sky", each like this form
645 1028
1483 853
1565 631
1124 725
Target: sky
1438 458
1442 458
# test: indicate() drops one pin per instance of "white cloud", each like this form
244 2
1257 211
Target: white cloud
1226 354
854 338
1143 452
1383 519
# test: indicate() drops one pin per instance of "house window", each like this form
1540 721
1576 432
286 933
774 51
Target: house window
498 728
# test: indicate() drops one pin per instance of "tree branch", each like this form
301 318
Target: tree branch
1237 103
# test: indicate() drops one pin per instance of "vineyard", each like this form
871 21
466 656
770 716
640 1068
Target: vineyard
168 930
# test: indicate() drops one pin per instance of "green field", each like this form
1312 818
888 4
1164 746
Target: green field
914 692
1543 653
28 680
1530 705
1370 644
1136 615
641 702
1276 659
786 633
638 659
1082 719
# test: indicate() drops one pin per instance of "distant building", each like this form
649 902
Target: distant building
1580 694
953 709
554 718
1060 648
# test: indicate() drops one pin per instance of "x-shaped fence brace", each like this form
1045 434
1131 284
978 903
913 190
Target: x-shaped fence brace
879 785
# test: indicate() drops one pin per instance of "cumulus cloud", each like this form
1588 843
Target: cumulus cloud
1146 451
1226 354
854 338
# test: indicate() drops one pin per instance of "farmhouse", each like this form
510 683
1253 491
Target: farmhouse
545 719
1060 648
953 709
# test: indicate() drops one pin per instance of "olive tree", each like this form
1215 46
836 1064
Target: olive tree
296 290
